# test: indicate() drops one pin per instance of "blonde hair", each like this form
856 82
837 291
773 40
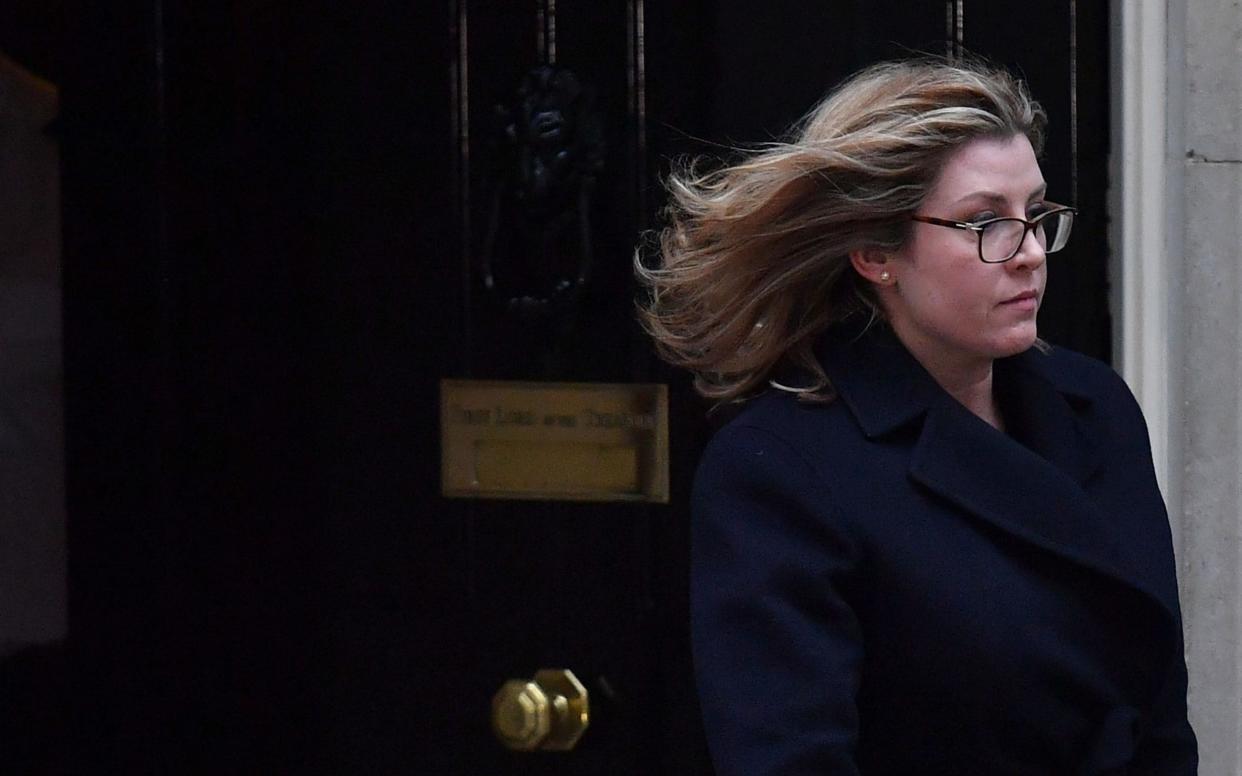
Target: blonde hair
753 263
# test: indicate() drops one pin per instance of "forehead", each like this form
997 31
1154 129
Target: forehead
1005 165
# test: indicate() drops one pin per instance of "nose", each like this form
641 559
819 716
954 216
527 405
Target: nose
1030 253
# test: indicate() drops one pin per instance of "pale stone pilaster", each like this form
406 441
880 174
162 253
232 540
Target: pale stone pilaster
1211 374
1189 282
1209 356
1178 309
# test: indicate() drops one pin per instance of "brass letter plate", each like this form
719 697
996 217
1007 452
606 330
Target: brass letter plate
575 441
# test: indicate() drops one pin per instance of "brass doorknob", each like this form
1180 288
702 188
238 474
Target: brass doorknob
549 712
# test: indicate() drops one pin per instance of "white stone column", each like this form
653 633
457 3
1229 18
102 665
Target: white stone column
1209 362
1179 146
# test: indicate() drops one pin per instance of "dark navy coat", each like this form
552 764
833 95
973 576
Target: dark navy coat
886 584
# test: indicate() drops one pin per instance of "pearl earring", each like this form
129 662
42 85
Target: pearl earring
884 276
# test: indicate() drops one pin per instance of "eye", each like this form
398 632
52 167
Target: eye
986 215
1036 210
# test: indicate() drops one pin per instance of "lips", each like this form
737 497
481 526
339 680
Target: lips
1022 297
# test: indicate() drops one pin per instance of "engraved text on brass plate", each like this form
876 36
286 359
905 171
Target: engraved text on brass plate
579 441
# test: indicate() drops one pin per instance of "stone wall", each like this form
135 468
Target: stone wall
1205 295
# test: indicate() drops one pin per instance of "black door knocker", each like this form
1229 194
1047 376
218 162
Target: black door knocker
537 252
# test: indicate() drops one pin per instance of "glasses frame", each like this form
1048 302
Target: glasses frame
978 227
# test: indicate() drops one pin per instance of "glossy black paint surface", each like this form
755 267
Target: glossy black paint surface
271 222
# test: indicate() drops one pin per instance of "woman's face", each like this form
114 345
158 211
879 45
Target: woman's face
948 307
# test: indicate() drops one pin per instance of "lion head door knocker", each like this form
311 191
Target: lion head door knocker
537 251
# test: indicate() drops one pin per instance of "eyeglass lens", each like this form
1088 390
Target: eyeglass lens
1000 240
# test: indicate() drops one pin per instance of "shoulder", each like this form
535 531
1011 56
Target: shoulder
1073 373
778 455
777 425
1092 386
761 482
769 440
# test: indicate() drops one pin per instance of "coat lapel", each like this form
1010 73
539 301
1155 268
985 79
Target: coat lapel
967 462
1031 489
1047 420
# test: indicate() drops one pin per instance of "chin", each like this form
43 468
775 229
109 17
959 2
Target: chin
1015 341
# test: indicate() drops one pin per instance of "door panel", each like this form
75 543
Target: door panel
275 219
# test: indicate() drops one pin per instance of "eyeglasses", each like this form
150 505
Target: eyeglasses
1000 239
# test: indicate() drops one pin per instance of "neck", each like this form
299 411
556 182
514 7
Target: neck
972 388
968 380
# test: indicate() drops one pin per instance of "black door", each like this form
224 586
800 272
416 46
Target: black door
279 219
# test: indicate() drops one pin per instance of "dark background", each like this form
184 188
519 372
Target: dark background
272 218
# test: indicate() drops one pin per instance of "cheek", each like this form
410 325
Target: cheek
946 286
946 267
956 290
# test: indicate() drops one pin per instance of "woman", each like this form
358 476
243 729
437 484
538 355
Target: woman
928 542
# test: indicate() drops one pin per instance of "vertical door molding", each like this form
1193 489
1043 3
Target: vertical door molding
1140 226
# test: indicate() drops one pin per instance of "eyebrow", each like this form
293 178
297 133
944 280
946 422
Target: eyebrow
997 197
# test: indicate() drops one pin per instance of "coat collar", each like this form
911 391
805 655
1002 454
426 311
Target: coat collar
1029 483
886 389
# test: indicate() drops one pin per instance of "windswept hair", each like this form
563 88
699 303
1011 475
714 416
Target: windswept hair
754 260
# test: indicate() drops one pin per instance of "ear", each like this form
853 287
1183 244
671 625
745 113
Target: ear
873 265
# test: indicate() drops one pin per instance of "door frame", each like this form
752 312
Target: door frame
1145 220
